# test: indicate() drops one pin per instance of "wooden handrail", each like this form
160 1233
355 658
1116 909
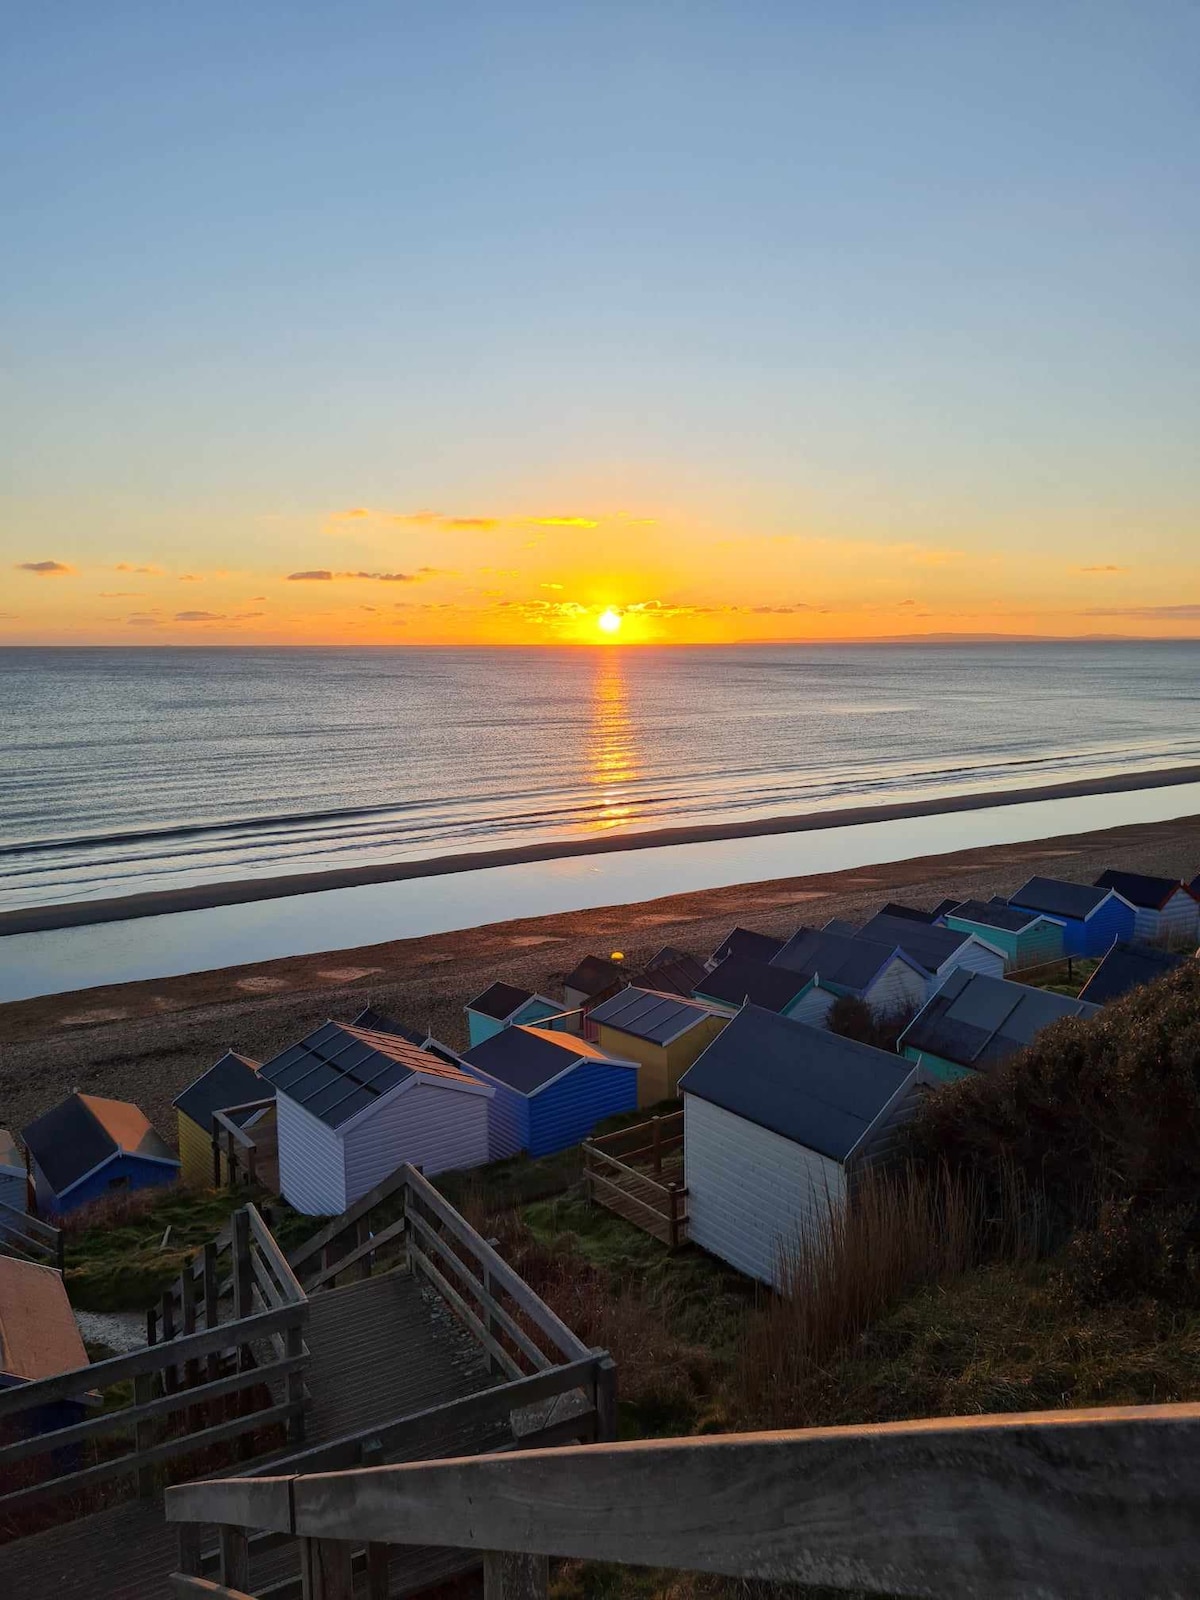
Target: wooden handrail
338 1225
1103 1504
34 1224
274 1257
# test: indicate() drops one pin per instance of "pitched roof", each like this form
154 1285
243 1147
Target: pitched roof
527 1057
39 1337
231 1081
1127 966
738 978
977 1021
893 908
809 1085
1059 898
943 907
747 944
1139 890
994 914
931 947
648 1014
847 960
10 1156
85 1130
594 974
379 1022
500 1000
673 972
339 1070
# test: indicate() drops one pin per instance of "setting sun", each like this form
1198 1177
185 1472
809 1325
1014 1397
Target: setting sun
609 621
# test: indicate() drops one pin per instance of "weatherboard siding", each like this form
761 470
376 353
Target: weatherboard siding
13 1191
1024 947
435 1127
567 1110
312 1168
1174 923
751 1192
195 1154
507 1117
122 1172
937 1066
812 1006
661 1066
974 957
898 988
481 1027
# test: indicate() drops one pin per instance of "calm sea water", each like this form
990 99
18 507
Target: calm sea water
124 770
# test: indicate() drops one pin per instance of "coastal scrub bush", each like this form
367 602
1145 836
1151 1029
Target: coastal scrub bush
854 1019
1103 1116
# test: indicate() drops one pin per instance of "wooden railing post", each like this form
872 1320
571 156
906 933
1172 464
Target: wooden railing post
606 1398
325 1569
212 1312
514 1577
243 1276
191 1561
170 1374
656 1126
216 1158
294 1343
673 1217
187 1297
362 1235
143 1432
235 1558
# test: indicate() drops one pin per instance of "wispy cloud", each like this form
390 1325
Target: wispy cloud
1185 613
128 566
1102 569
45 569
119 594
143 619
323 575
200 616
246 616
565 522
428 518
318 575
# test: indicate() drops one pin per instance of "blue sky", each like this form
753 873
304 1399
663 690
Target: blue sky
861 277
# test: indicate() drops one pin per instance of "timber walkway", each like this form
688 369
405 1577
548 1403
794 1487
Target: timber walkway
393 1370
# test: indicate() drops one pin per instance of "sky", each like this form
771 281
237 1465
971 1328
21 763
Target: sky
427 323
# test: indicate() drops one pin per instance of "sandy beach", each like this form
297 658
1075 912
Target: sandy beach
243 891
146 1041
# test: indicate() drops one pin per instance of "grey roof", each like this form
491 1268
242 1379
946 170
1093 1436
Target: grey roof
840 925
673 971
738 979
994 914
942 907
809 1085
747 944
231 1081
500 1000
74 1137
526 1057
1058 898
930 947
893 908
1127 966
379 1022
595 975
648 1014
849 961
977 1021
338 1070
1139 890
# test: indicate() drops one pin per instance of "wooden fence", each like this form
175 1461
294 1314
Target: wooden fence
193 1374
637 1172
239 1156
1096 1504
29 1239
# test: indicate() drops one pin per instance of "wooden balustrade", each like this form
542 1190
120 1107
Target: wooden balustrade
1097 1504
29 1238
626 1171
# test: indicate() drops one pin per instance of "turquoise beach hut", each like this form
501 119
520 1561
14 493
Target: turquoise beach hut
504 1005
1026 938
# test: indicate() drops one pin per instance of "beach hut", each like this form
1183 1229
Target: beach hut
14 1185
550 1089
87 1148
353 1105
938 951
894 908
975 1022
1091 919
834 964
663 1033
231 1081
39 1338
747 944
1128 966
592 981
740 980
1026 938
672 971
502 1005
1164 909
778 1120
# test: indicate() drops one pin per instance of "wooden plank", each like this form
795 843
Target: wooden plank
235 1559
271 1293
334 1229
138 1461
361 1252
572 1347
264 1502
623 1194
491 1306
632 1172
119 1368
33 1224
456 1302
1103 1504
275 1259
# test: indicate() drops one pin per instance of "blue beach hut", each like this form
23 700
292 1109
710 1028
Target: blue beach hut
88 1147
551 1089
1092 919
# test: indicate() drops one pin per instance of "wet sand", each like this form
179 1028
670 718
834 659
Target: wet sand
243 891
146 1041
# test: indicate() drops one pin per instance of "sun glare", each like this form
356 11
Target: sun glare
609 621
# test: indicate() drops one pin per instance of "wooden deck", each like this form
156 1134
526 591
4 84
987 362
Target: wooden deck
380 1349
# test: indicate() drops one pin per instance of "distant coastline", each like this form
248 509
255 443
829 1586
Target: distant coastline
84 913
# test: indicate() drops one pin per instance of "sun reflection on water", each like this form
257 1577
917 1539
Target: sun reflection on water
612 755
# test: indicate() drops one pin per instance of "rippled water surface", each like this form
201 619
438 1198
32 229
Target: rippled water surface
124 770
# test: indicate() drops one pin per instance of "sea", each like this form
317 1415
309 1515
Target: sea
124 770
